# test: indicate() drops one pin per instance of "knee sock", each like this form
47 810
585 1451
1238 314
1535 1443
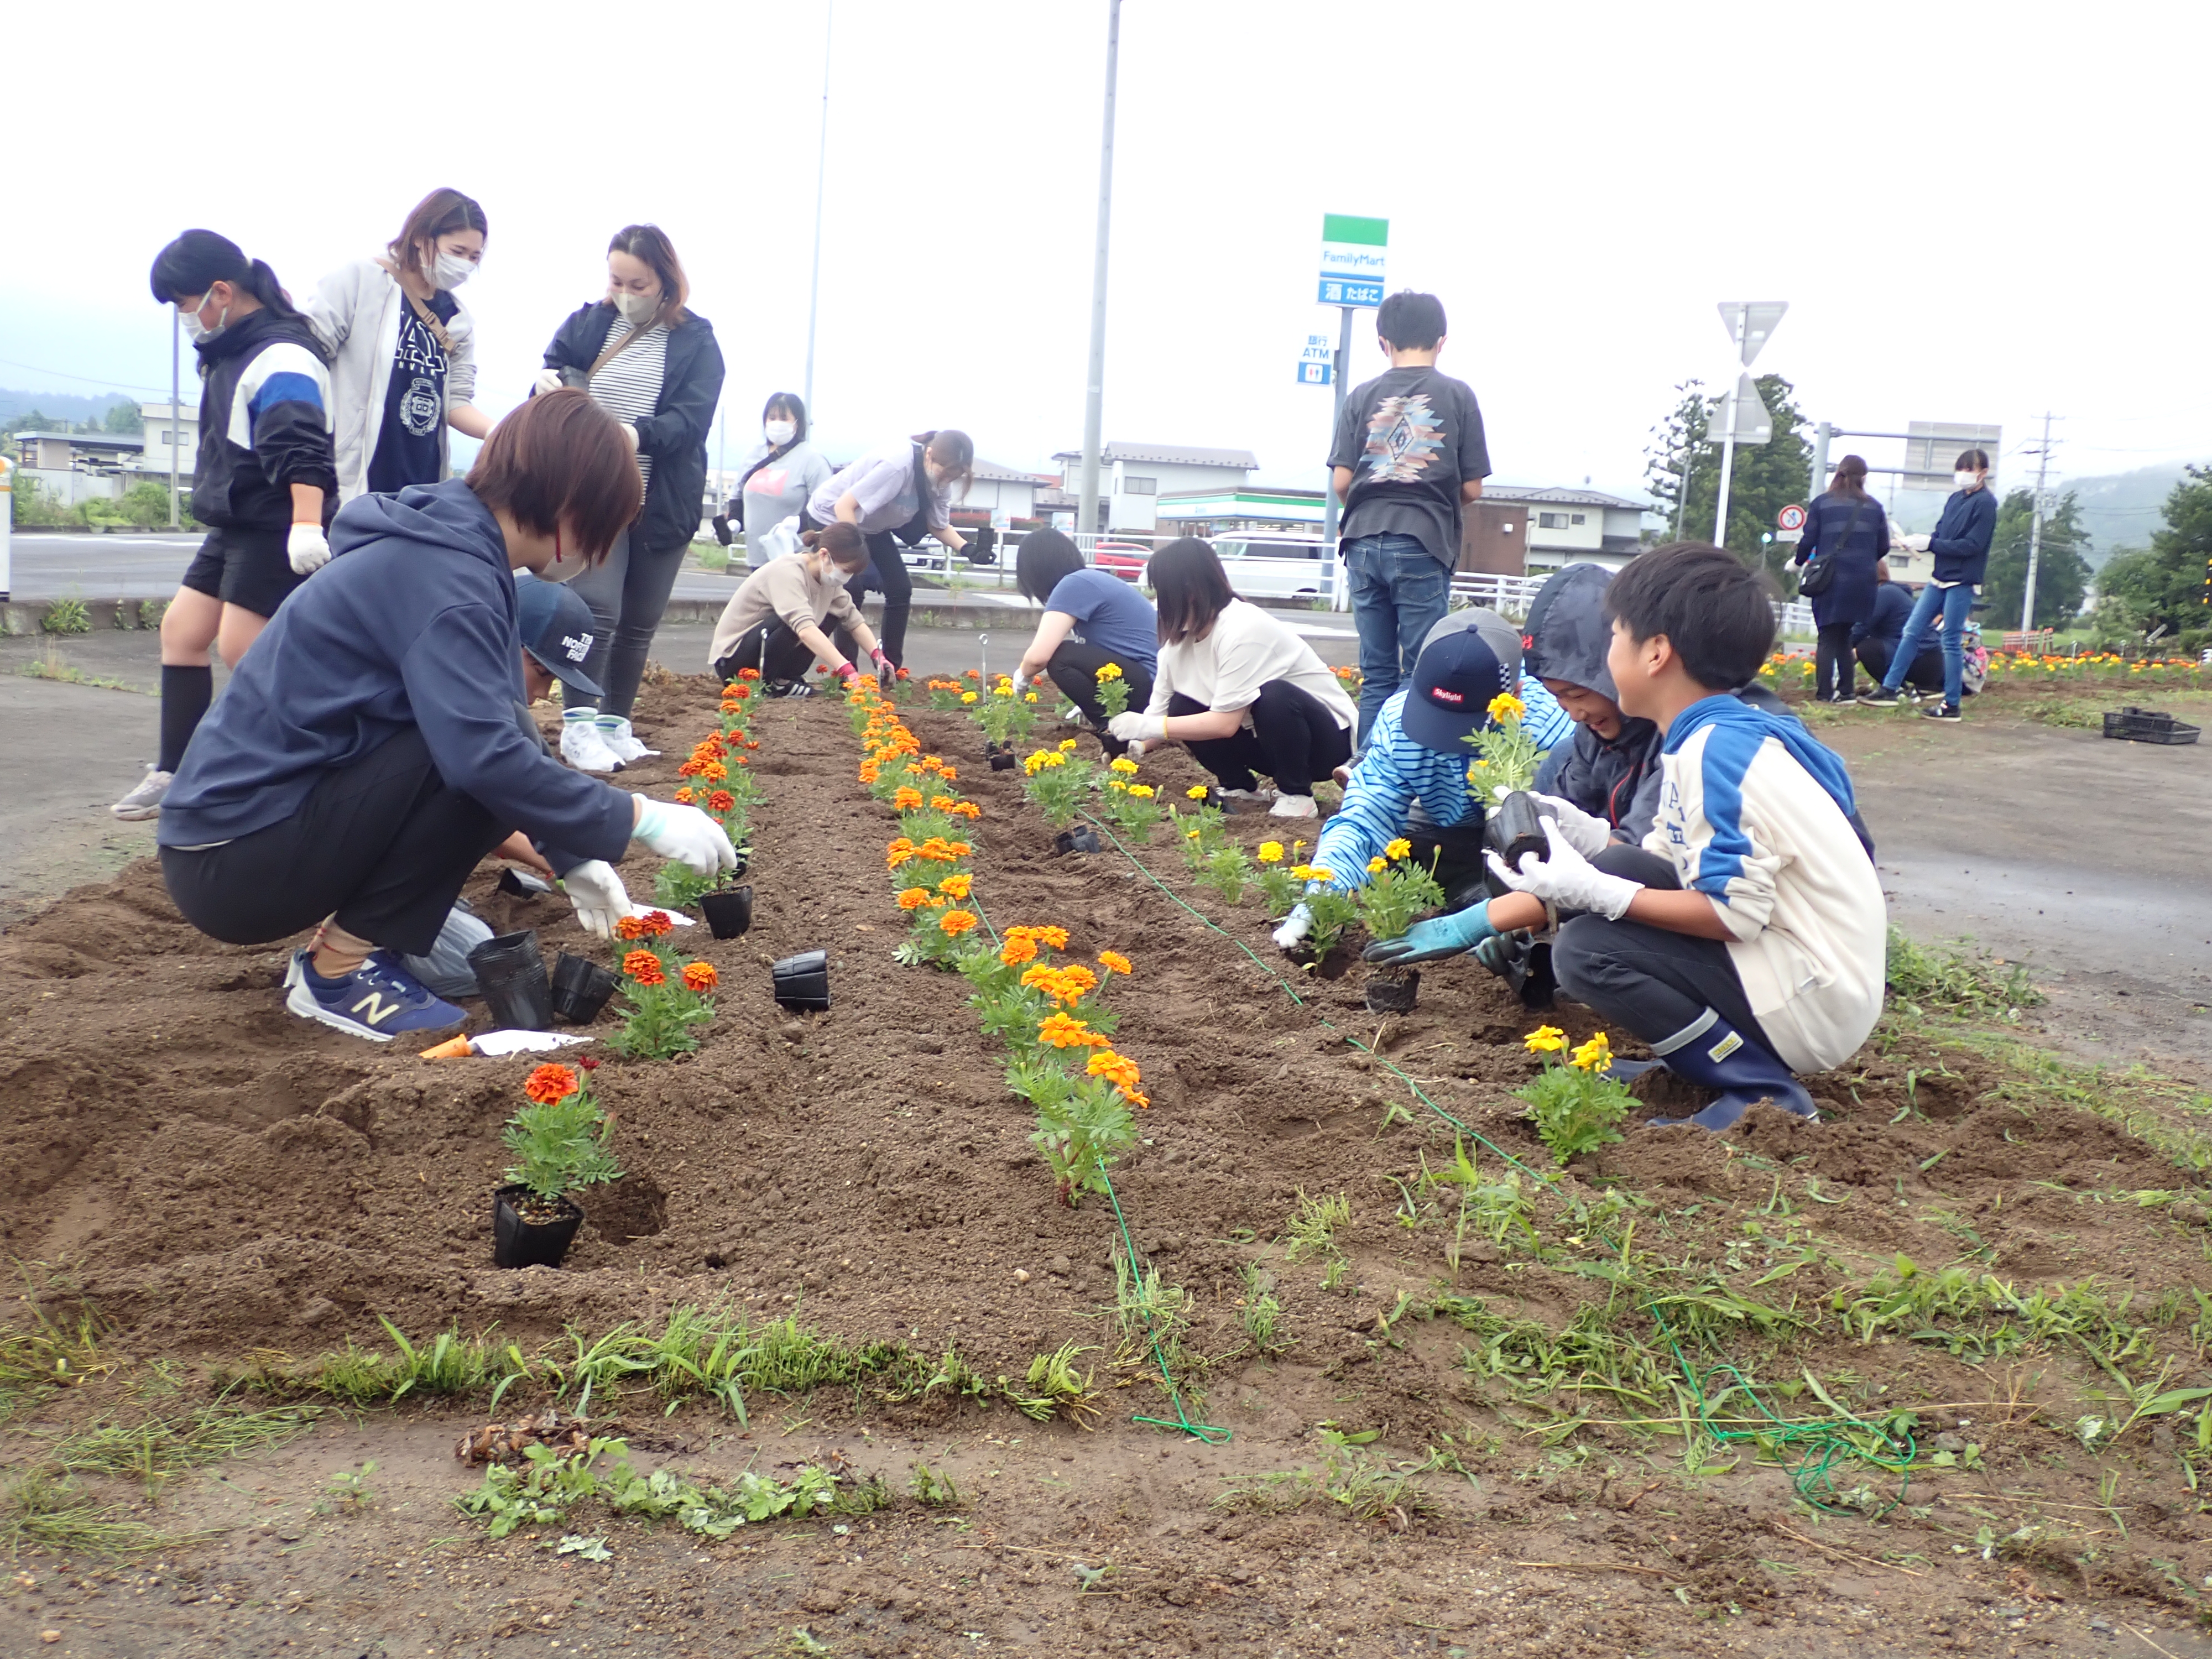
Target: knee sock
185 695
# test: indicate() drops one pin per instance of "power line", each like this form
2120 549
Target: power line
120 385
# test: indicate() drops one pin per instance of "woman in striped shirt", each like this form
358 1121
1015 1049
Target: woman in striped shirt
654 365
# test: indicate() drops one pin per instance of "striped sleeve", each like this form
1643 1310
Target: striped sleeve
1542 718
281 412
1393 771
1720 853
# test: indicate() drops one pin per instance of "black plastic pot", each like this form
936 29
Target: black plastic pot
1081 839
1394 995
511 973
519 1242
1003 761
522 884
737 871
581 989
802 982
728 912
1517 827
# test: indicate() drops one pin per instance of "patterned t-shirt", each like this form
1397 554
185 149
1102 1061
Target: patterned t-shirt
629 387
408 450
1411 436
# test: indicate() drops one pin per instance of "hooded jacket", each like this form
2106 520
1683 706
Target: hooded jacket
411 623
264 423
1962 536
674 436
1565 638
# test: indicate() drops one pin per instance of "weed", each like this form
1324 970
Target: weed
43 1511
348 1490
66 616
1054 1385
1954 979
158 1448
1360 1484
1333 1275
1312 1227
1261 1315
932 1488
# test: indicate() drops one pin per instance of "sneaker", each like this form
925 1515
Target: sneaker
1233 801
789 689
614 732
144 801
1294 806
379 1001
583 747
1942 711
1881 697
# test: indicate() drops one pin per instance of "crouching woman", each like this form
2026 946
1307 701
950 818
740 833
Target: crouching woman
367 753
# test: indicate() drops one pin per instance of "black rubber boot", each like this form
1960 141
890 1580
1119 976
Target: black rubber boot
1713 1054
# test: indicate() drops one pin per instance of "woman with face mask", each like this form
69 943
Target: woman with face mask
654 365
898 494
265 482
371 750
403 348
774 624
785 471
1962 546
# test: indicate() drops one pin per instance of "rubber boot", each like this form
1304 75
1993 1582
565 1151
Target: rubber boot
1713 1054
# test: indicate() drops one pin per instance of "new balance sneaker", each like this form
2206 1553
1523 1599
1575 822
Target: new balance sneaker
1881 697
379 1001
582 744
144 801
614 732
1942 711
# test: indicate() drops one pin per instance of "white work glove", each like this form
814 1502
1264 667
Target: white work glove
1291 931
1567 880
307 548
1021 682
684 834
1586 833
1133 727
1915 544
601 900
548 380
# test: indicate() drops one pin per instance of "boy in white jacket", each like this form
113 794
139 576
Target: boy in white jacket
1744 939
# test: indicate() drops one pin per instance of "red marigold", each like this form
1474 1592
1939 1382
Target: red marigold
644 967
749 673
654 923
551 1083
699 977
721 801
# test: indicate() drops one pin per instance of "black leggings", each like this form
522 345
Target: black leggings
1293 739
888 575
769 647
1074 669
1834 669
1926 673
384 843
1645 979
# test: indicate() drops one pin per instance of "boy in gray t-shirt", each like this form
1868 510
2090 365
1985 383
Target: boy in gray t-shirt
1409 455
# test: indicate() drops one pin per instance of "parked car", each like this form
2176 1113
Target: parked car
1122 559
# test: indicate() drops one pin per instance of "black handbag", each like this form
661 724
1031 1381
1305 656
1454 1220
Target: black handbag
1819 573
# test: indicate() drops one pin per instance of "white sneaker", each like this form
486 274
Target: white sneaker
144 801
1234 801
1294 806
583 748
614 732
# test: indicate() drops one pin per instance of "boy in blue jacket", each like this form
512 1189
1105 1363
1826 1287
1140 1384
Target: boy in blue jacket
1962 546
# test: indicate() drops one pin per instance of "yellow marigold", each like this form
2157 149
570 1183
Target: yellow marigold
1298 871
1545 1040
1505 706
967 696
1376 866
953 923
1029 696
1595 1056
1061 1030
1141 791
1122 764
912 898
1398 848
1271 851
1196 792
1115 962
1067 745
1320 873
956 885
1111 671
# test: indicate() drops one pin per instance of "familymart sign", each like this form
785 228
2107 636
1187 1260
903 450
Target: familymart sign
1352 254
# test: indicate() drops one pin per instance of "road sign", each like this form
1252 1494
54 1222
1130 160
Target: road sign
1931 448
1317 361
1353 254
1753 425
1791 517
1759 317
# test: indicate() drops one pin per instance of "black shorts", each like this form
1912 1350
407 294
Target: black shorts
249 568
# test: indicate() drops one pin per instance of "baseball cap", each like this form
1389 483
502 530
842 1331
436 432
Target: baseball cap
1503 638
556 625
1449 700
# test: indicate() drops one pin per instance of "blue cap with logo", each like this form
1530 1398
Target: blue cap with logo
1449 700
556 625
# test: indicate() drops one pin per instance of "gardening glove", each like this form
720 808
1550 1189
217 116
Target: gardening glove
1586 833
1441 936
845 673
684 834
308 549
548 380
885 667
1021 682
597 892
1133 727
1291 933
1915 544
1496 952
1567 880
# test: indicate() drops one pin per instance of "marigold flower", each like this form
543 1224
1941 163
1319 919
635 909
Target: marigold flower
1019 948
1141 791
1061 1030
869 772
699 977
644 967
1196 792
950 774
905 800
1056 936
912 898
953 923
1398 848
1067 745
1505 706
898 852
961 849
1111 671
938 850
963 809
691 769
1122 764
1545 1040
1595 1056
721 801
967 696
547 1084
957 885
654 923
942 803
972 674
684 794
1115 962
749 673
1079 979
1376 866
629 927
1271 851
714 771
741 692
1120 1071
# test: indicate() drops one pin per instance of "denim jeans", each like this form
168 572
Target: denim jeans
1399 592
1956 601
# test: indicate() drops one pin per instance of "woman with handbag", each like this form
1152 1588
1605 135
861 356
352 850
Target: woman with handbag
654 365
403 348
1846 532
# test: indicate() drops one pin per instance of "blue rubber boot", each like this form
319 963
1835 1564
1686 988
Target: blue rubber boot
1713 1054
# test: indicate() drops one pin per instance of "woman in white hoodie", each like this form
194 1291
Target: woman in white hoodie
403 349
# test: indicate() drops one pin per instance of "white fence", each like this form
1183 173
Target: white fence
1511 595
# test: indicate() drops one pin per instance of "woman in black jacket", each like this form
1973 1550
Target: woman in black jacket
654 366
1847 529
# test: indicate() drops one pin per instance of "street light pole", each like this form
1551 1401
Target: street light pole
176 429
821 166
1095 381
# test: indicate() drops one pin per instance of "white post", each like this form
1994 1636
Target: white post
821 166
2035 533
1095 381
1330 515
7 519
176 430
1728 432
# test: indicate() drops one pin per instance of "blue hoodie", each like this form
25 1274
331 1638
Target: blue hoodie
411 623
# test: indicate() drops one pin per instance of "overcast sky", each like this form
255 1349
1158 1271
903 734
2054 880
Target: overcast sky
1970 222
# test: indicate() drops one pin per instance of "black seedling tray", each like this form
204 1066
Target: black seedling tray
2145 725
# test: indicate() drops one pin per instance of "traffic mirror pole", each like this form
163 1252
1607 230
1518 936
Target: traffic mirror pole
1728 435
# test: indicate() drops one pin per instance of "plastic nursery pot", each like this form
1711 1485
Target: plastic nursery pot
521 884
511 974
581 989
1393 994
526 1235
1081 839
729 912
1003 761
802 982
737 871
1516 829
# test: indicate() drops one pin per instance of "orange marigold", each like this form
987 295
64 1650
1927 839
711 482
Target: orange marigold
1019 949
551 1083
714 771
912 898
1056 936
869 772
1080 978
629 927
644 967
950 774
691 769
1113 962
942 803
953 923
905 799
721 801
684 794
1117 1069
699 977
749 673
898 852
956 885
1060 1031
964 809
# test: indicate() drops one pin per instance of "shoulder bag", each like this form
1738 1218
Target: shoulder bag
1819 573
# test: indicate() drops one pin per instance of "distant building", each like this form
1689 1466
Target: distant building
1290 513
1133 476
1001 494
1515 530
83 451
161 430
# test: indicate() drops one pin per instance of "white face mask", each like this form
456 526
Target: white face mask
779 433
1964 480
450 271
197 330
563 567
637 309
830 573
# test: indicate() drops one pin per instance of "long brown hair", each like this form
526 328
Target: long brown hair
650 243
1190 587
440 213
954 450
1850 481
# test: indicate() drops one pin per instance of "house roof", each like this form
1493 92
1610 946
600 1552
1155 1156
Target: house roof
115 440
1168 455
1559 497
998 474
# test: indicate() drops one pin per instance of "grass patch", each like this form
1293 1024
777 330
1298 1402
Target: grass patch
50 665
66 616
1358 1484
1954 978
1312 1227
40 1509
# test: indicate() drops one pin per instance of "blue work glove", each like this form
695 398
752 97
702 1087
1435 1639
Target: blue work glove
1449 935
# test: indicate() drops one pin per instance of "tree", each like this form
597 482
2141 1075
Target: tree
2166 584
2061 574
1765 479
123 418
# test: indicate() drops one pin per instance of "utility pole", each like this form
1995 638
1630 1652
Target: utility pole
821 169
2035 530
176 424
1095 381
1330 509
